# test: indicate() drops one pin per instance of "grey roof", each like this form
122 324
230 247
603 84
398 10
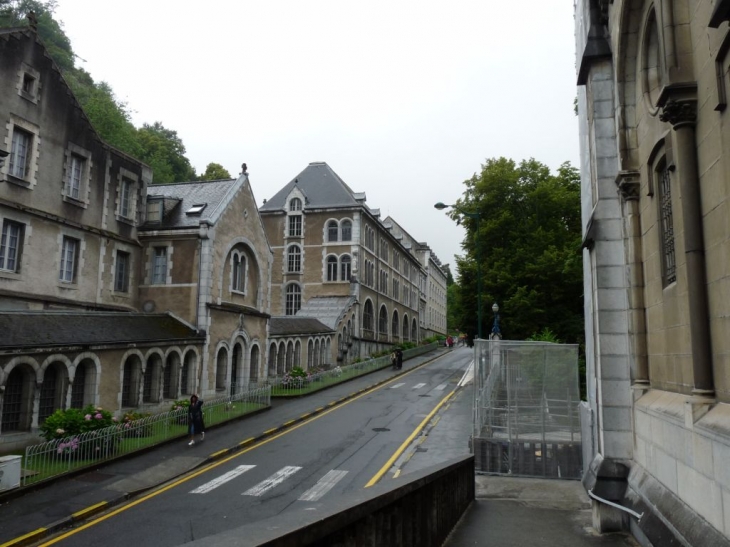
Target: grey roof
181 196
328 309
69 328
294 324
322 188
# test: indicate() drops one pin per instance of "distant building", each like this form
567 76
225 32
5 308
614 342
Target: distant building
655 136
336 261
432 306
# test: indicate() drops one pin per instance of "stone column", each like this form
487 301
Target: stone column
681 113
628 183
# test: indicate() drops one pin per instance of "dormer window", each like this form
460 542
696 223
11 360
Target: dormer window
154 210
295 204
196 209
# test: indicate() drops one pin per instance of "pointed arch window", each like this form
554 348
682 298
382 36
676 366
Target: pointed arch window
367 316
293 299
383 321
345 268
294 259
346 229
332 230
238 273
331 268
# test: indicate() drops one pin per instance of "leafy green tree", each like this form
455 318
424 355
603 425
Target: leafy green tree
163 150
14 13
529 242
215 171
110 117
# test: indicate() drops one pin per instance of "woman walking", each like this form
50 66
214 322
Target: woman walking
195 419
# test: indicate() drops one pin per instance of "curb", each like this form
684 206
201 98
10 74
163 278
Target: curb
93 510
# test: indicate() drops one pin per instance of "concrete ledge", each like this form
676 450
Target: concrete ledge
667 519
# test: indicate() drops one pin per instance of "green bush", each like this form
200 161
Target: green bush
75 421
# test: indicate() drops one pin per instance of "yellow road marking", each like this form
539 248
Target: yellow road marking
405 444
210 466
84 512
30 536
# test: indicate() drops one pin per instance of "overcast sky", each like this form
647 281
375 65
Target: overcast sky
403 99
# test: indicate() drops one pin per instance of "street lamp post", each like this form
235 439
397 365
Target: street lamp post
476 216
495 328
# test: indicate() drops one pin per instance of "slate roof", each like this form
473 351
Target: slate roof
68 328
293 324
181 196
327 309
322 188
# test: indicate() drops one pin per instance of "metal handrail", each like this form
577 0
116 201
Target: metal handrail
617 506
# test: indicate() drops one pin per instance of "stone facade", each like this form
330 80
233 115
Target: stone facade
432 305
654 137
328 243
113 291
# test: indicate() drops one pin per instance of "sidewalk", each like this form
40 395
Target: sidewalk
507 512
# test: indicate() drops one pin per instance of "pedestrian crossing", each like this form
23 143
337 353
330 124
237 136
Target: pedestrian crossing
399 385
316 492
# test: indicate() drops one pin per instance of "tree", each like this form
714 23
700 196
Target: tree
109 116
529 242
215 171
14 13
164 151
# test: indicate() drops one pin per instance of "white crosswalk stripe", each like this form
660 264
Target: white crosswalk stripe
418 386
215 483
440 387
274 480
396 386
323 486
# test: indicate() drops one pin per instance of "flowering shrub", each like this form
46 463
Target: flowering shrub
130 429
67 423
295 378
180 403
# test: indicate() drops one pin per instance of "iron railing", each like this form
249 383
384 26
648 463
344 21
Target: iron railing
338 373
59 456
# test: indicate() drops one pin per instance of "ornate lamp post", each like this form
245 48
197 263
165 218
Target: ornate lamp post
495 327
476 216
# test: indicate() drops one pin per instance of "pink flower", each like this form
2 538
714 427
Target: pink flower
114 419
98 416
87 417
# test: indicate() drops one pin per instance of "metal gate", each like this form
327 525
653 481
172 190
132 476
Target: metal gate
526 416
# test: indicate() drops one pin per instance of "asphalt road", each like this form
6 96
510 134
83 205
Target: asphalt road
348 447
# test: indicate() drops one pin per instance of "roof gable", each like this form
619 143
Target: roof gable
187 204
321 187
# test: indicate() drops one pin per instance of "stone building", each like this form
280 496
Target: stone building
207 260
110 296
655 140
335 260
432 305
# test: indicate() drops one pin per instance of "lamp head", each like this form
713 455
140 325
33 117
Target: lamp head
440 206
495 307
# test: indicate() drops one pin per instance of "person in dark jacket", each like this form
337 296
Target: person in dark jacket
195 419
399 358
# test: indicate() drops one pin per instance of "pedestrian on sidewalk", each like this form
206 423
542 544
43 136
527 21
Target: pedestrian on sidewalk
399 358
195 419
